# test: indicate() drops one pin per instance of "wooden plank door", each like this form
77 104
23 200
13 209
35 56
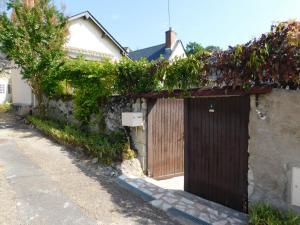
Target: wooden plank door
165 138
216 149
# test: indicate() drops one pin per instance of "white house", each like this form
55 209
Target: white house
5 87
170 50
87 37
5 79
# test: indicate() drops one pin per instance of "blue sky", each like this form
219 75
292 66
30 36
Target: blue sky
142 23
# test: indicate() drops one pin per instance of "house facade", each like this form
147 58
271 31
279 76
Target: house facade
5 87
170 50
5 80
87 38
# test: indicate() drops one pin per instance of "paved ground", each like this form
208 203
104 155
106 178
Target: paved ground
42 183
178 202
175 183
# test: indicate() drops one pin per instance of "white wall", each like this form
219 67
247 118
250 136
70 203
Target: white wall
84 34
5 80
21 92
178 52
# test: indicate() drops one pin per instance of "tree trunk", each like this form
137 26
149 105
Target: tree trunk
40 104
38 92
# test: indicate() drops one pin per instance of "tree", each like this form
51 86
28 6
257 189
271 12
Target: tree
212 48
193 48
33 38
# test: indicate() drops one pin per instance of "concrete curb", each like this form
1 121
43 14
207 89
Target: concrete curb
177 214
146 197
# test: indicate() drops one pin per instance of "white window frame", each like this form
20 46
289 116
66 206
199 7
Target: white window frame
2 88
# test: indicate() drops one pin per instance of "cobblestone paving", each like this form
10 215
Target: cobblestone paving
196 207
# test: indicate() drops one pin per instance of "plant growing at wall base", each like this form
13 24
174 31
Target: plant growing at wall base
34 39
263 214
108 147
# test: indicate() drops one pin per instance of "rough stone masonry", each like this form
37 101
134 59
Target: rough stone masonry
274 146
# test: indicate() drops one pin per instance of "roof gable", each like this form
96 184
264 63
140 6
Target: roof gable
88 15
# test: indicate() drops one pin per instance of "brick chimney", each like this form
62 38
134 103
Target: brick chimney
171 38
29 3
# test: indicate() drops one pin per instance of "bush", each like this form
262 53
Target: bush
135 77
108 147
6 107
262 214
184 74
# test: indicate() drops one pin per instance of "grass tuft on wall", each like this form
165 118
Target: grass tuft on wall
264 214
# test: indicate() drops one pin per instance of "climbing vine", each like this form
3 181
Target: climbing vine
273 59
92 81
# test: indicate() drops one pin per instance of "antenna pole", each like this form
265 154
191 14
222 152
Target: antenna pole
169 13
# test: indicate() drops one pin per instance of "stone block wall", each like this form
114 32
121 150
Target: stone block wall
113 119
62 110
274 146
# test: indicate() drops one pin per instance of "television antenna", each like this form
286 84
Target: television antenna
169 13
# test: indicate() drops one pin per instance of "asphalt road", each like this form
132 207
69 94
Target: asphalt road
43 183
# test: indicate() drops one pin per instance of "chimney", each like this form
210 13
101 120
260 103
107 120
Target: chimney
29 3
171 38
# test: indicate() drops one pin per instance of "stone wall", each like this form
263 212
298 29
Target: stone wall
274 146
113 120
62 110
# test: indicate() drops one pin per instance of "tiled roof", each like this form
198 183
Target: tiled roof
151 53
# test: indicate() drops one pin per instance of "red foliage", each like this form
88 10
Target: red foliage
274 59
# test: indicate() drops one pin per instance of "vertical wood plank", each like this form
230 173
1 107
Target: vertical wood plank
216 149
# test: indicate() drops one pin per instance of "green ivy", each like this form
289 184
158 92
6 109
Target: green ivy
272 59
184 74
135 76
93 82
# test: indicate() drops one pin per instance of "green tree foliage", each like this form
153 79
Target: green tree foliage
34 39
194 48
212 48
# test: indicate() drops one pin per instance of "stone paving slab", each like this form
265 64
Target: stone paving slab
183 204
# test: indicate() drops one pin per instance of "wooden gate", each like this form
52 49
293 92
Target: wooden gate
216 149
165 138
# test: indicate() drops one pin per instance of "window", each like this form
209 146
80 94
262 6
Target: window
9 89
2 89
